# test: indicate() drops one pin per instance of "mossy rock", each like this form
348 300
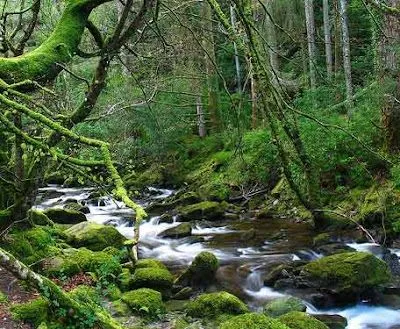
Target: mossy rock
65 216
56 177
300 320
181 231
215 304
125 279
145 302
77 207
113 292
152 277
73 261
119 308
34 244
332 321
149 262
94 236
38 217
284 305
34 312
347 272
201 272
253 321
209 210
321 239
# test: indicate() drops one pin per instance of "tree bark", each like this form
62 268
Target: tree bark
388 67
328 39
236 53
312 50
346 53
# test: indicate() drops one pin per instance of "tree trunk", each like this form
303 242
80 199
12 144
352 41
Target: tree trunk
54 293
312 50
388 67
253 86
328 39
346 53
235 48
201 122
337 36
210 62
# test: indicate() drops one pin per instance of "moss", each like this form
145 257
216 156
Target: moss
209 210
43 325
76 260
284 305
3 298
85 294
253 321
149 262
120 308
321 239
202 270
145 302
39 218
94 236
152 277
40 64
177 232
65 216
33 245
300 320
346 271
215 304
113 292
125 279
34 312
77 207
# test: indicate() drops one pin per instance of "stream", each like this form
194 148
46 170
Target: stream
243 261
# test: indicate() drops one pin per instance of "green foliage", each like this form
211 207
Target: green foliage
215 304
3 298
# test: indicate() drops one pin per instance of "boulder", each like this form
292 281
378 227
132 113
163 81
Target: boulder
145 302
346 275
77 207
94 236
181 231
149 262
332 321
253 321
284 305
215 304
334 248
65 216
300 320
209 210
201 272
166 218
152 277
37 217
73 261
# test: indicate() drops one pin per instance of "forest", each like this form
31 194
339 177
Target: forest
206 164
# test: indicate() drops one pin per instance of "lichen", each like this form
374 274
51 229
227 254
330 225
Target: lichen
214 304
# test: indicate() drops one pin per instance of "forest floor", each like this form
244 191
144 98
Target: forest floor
15 293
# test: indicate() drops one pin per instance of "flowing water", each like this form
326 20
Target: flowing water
244 260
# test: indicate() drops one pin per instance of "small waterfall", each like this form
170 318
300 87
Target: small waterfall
254 281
